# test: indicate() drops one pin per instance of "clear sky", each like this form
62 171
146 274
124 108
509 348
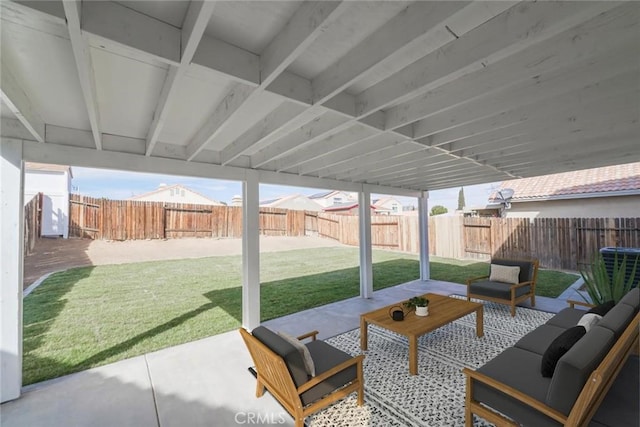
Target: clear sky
116 185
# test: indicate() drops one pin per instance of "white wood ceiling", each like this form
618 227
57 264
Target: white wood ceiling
413 95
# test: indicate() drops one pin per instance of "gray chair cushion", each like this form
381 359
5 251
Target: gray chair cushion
621 405
567 318
573 369
618 318
326 357
526 267
496 289
632 298
538 340
290 354
519 369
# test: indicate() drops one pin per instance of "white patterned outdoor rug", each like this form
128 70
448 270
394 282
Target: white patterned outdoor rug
434 397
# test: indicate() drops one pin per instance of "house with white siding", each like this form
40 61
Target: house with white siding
297 202
176 193
331 198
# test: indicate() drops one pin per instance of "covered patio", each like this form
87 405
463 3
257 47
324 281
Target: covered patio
178 386
395 98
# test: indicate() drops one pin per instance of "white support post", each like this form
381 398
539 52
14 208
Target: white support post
423 222
250 251
366 262
11 257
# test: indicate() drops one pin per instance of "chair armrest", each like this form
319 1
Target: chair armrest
522 284
331 372
573 303
473 279
311 335
516 394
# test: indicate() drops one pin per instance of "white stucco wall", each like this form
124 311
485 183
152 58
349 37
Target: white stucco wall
55 187
600 207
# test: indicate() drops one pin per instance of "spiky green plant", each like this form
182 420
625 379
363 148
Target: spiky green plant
605 284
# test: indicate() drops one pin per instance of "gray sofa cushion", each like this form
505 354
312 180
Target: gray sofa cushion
621 405
496 289
538 340
326 357
617 319
566 318
632 298
289 353
520 369
573 369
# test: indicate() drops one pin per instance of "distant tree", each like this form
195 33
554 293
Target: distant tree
461 203
438 210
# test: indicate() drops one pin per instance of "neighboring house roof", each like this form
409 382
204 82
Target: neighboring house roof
164 188
321 195
344 206
48 168
383 200
619 180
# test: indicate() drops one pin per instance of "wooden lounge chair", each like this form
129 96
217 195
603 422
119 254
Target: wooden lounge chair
281 370
520 289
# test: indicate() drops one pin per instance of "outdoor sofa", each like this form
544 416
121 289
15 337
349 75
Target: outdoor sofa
512 384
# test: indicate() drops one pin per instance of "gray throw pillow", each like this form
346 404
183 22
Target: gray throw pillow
304 351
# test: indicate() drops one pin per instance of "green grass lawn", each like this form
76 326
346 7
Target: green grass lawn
91 316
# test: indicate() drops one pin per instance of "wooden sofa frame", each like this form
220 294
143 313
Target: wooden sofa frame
587 403
514 299
272 374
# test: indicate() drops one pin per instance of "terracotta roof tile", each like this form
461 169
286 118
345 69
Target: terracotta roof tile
589 181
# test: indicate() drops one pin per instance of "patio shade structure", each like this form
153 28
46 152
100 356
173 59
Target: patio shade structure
387 97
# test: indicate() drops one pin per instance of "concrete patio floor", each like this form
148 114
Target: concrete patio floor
201 383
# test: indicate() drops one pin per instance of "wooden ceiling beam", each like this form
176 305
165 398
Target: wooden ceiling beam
535 89
19 102
198 16
511 30
84 66
264 128
577 46
307 24
420 23
350 151
344 138
549 107
371 157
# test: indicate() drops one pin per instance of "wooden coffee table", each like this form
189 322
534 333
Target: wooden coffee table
442 310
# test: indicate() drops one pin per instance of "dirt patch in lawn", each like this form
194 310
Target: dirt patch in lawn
61 254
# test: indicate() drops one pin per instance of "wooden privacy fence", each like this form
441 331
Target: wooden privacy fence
135 220
559 243
32 222
387 231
